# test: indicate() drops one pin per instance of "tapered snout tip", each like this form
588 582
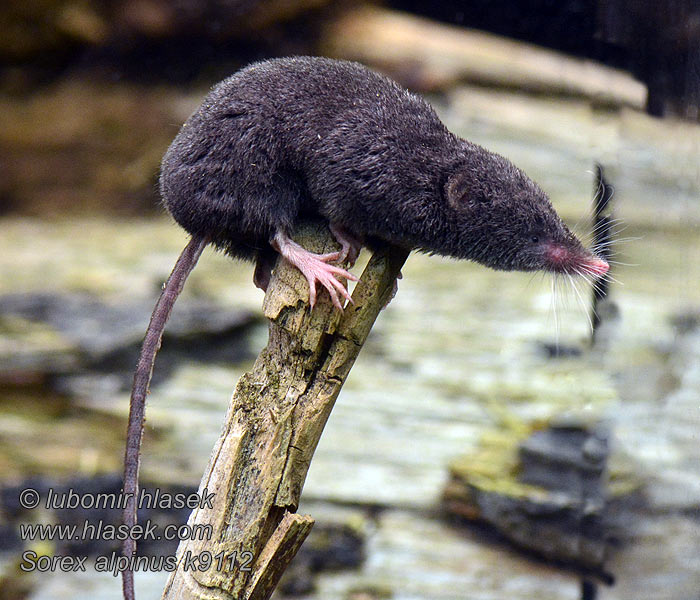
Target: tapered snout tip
596 266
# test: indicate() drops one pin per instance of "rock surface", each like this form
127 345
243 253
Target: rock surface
549 492
93 336
425 389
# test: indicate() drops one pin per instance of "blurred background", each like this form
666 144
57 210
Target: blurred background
487 444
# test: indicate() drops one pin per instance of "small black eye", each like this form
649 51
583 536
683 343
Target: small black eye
534 239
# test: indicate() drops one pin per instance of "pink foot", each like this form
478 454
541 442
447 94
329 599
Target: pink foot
350 245
315 268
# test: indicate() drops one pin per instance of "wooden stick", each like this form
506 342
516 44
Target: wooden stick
275 420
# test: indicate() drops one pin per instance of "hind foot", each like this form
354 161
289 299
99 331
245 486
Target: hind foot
315 268
351 245
394 290
264 264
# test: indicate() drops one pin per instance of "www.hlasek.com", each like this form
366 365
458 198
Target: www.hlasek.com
115 563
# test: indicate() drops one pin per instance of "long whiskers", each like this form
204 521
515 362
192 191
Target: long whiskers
579 297
554 311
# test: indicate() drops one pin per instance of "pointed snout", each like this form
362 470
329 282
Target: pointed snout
576 260
596 266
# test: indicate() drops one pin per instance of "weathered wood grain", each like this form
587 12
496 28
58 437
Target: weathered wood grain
275 419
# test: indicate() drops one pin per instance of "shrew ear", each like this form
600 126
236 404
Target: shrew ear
462 193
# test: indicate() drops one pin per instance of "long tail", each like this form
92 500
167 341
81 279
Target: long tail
142 378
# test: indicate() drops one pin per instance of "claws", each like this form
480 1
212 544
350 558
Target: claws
350 245
316 269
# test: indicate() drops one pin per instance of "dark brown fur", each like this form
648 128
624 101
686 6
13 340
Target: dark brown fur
312 135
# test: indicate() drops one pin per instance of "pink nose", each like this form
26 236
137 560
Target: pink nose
597 266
